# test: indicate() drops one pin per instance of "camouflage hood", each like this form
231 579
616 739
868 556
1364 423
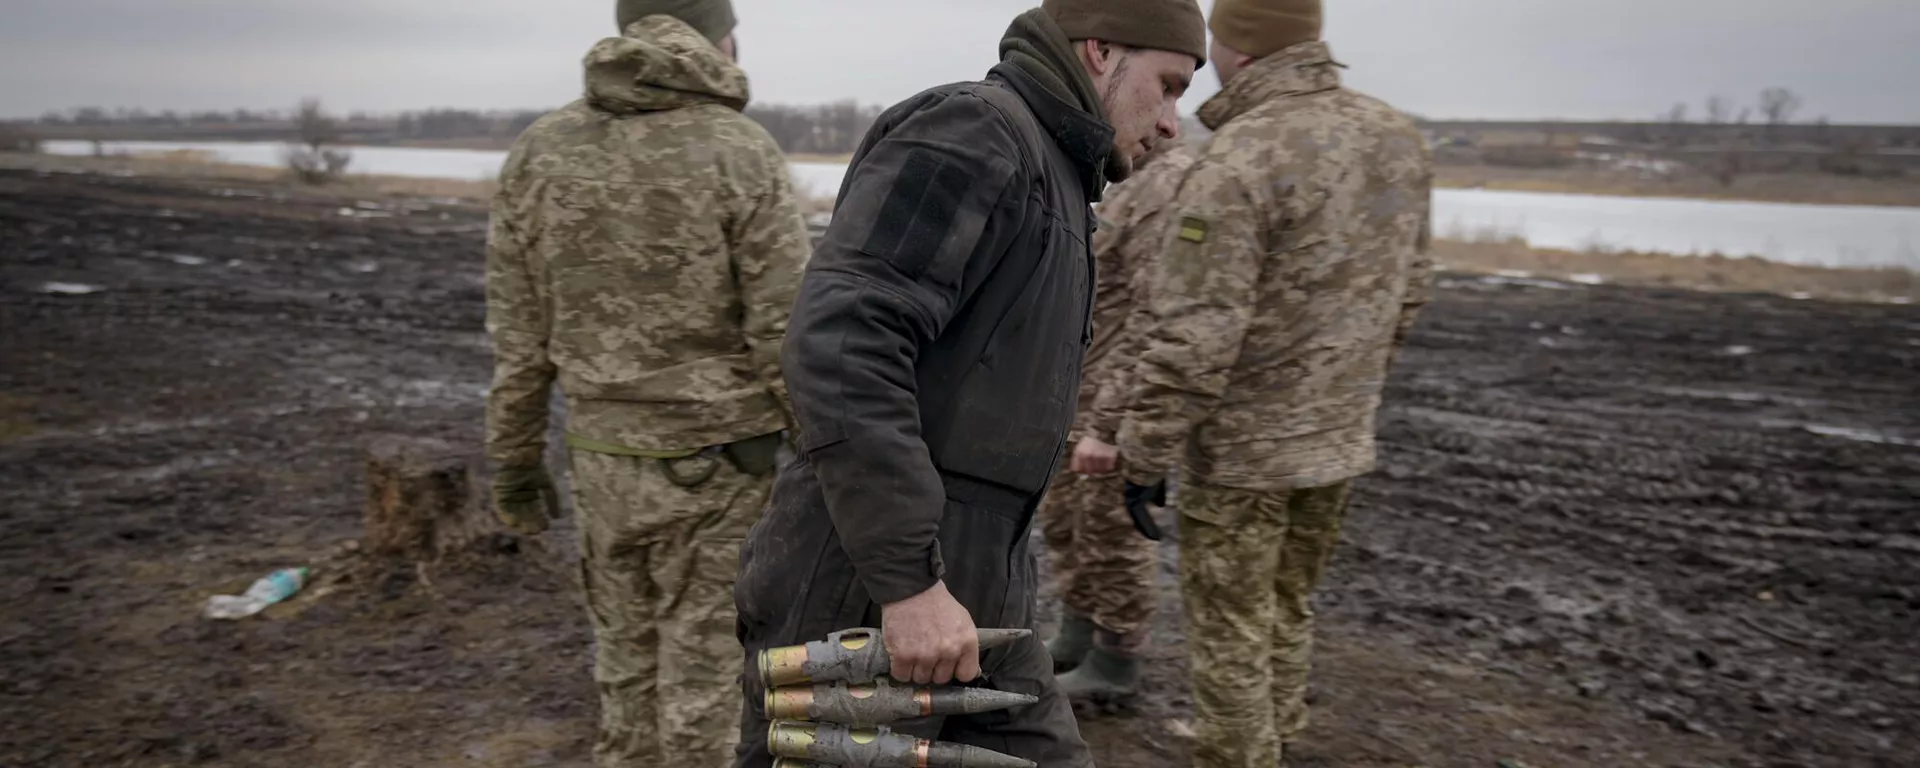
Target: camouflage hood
1295 70
661 63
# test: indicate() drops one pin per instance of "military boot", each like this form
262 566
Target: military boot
1105 676
1072 644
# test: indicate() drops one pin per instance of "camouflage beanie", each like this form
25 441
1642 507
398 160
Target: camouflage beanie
1163 25
711 18
1260 28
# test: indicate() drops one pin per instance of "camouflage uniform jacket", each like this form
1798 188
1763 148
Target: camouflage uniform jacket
1296 260
1131 232
645 251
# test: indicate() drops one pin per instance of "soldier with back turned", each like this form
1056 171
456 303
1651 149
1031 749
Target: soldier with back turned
1294 264
645 251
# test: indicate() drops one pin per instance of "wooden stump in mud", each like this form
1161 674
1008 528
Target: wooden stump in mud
423 502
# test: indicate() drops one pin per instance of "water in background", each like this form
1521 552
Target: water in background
1825 235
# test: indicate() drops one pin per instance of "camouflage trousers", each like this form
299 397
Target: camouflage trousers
1104 569
658 562
1249 563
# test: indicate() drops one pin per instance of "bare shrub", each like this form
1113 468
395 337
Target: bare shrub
1727 167
315 159
1719 110
1675 120
1777 106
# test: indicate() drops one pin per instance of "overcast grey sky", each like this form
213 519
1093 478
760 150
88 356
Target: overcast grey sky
1854 60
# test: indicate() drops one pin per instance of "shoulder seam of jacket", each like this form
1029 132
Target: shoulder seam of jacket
868 282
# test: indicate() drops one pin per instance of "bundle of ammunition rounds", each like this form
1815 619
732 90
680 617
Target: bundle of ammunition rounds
831 700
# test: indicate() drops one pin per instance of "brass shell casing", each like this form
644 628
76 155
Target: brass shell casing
783 666
789 738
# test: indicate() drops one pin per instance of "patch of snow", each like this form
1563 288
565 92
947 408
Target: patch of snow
185 260
1860 435
1739 397
1902 300
70 289
1588 279
1800 296
364 267
364 213
1515 274
1737 350
1526 282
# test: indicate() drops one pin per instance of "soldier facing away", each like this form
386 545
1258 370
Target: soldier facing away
645 251
934 360
1105 568
1292 272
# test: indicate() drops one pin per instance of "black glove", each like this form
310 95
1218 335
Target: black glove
524 499
1138 497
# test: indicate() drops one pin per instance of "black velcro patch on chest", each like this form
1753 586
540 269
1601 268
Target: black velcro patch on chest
918 213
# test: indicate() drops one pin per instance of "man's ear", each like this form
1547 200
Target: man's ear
1098 55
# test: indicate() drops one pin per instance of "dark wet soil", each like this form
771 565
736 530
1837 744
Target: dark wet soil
1612 526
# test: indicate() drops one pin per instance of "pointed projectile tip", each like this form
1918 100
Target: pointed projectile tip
976 757
974 701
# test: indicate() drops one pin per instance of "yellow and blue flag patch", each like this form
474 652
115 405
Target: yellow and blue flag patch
1193 229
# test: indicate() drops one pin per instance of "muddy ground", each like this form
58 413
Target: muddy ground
1613 527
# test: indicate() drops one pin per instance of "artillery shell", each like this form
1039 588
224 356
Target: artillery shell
853 655
884 701
878 748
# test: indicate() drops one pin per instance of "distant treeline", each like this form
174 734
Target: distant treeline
821 129
828 129
1718 126
99 117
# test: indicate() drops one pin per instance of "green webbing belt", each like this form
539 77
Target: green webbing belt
613 449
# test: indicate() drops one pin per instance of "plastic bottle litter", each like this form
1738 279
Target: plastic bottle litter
275 587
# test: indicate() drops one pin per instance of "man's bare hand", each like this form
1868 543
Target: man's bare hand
931 638
1092 456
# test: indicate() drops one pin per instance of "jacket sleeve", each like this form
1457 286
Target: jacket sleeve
1139 247
518 320
769 243
932 201
1420 279
1199 305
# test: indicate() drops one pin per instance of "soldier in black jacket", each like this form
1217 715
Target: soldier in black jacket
933 358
